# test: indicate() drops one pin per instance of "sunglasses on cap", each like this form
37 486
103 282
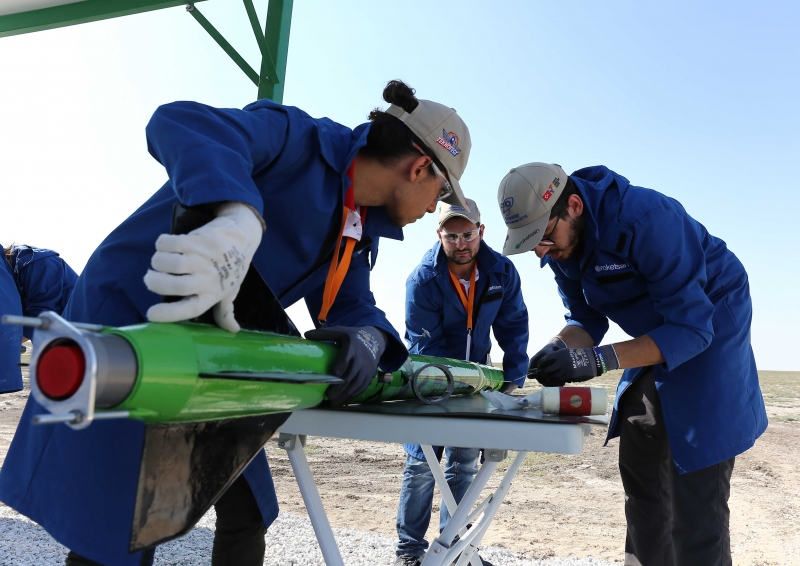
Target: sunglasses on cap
467 236
445 188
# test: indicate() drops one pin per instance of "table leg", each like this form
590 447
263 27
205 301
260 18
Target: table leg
293 444
482 524
439 550
444 488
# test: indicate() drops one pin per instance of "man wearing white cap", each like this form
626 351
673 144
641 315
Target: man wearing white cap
689 400
460 290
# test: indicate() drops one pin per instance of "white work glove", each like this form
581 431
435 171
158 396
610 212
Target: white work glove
205 266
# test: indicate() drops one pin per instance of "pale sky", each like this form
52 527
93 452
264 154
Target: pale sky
697 100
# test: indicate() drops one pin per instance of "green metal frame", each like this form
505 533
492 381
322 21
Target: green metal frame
273 43
77 13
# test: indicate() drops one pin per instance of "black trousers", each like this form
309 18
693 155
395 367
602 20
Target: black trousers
239 534
673 519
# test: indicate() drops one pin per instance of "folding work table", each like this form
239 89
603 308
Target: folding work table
467 422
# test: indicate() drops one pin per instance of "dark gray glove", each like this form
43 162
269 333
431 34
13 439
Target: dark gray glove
567 365
575 364
360 351
554 344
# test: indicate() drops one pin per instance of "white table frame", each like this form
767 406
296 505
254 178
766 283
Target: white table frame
496 436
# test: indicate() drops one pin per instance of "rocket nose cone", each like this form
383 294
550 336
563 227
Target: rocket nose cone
60 370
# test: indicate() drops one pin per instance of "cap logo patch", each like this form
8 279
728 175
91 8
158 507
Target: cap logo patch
505 206
449 141
556 182
526 238
548 193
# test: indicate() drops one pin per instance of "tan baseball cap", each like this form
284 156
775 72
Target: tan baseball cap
445 133
448 211
526 195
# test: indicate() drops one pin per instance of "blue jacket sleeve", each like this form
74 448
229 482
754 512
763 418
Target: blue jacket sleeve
211 154
510 328
424 311
44 282
675 270
579 313
355 306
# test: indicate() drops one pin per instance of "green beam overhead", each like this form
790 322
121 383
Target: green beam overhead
273 45
26 16
222 42
18 17
276 32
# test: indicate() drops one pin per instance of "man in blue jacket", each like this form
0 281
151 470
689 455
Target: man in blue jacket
460 274
10 336
325 194
44 280
689 400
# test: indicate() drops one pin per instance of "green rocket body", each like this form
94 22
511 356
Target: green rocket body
176 362
189 372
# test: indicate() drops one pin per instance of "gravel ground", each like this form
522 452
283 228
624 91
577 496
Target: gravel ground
290 542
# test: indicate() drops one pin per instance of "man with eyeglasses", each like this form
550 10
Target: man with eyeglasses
460 290
689 400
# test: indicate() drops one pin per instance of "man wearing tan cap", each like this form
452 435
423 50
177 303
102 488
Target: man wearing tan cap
460 274
689 400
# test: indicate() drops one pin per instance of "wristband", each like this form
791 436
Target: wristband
607 359
598 358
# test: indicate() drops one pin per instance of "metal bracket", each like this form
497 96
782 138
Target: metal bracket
289 441
494 455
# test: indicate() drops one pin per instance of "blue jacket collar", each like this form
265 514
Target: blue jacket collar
602 191
22 256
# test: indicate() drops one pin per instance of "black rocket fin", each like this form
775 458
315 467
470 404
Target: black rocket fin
185 469
273 376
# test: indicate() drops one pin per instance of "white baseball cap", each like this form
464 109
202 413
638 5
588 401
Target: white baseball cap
526 196
448 211
445 134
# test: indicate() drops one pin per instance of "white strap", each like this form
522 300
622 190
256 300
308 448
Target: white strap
398 112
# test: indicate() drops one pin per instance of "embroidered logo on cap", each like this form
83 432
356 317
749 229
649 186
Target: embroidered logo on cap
548 193
449 141
505 206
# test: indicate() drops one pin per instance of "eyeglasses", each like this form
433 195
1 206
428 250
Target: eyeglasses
467 236
546 240
445 188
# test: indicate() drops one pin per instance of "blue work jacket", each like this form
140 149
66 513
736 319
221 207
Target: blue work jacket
80 485
434 305
655 270
44 280
10 336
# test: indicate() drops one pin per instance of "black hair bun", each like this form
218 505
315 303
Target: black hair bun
399 93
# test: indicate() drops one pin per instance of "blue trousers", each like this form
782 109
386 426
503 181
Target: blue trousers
416 496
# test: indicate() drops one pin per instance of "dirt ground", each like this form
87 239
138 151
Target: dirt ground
559 505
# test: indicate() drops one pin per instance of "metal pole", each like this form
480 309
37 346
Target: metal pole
273 62
293 444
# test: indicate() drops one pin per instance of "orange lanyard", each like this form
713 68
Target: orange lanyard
467 303
340 262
